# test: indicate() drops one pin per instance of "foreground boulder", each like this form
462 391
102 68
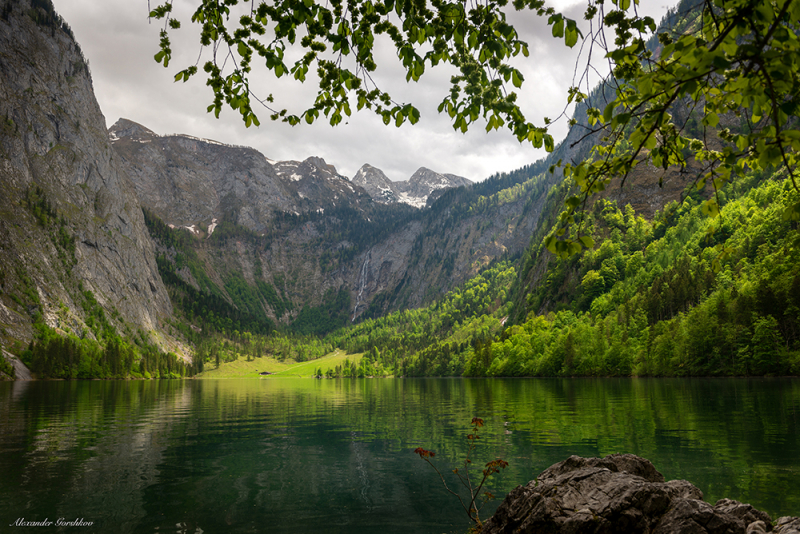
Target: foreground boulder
622 493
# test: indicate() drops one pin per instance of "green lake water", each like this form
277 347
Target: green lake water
303 455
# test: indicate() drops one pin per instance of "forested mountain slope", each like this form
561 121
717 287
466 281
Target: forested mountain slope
666 289
667 297
681 295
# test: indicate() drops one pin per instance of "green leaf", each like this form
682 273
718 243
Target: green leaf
558 27
608 112
621 119
792 213
571 35
516 78
710 208
550 243
712 119
645 84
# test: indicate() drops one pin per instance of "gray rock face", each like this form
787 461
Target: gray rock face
376 183
21 371
787 525
620 493
189 182
53 137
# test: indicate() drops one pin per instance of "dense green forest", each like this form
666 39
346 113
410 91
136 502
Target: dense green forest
53 355
433 341
683 294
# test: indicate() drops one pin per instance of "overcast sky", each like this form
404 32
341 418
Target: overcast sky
119 42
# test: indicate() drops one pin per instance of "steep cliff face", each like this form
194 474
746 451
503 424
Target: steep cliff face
458 236
71 222
294 225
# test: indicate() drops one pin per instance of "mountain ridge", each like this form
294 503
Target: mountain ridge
416 191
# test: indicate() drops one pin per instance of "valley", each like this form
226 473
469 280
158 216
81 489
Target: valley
128 253
197 337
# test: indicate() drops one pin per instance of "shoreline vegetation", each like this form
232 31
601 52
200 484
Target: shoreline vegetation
337 364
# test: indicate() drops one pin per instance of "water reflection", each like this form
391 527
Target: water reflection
334 455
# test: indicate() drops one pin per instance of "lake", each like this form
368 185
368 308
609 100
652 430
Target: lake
304 455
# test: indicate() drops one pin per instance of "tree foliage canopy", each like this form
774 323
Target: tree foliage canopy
736 66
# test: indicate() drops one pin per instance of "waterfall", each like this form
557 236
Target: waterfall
362 283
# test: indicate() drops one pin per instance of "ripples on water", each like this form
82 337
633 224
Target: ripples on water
303 455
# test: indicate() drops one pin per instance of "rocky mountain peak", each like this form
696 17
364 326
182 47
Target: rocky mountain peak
376 183
322 165
126 128
414 191
433 180
313 167
189 182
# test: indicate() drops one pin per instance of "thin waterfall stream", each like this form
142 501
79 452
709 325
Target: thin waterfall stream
362 283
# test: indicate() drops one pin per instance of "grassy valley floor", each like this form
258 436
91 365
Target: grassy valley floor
286 368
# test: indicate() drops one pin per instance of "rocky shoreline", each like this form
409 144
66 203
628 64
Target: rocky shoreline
623 493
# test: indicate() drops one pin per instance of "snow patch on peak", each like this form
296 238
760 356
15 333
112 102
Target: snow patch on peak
417 202
212 226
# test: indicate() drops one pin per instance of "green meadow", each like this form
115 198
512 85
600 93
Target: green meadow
287 368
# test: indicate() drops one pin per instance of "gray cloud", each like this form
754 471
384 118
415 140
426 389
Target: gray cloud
120 42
